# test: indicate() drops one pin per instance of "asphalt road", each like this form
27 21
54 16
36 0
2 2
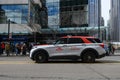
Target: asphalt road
26 60
22 68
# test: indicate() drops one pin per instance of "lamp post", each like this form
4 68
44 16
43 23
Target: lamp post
99 19
8 29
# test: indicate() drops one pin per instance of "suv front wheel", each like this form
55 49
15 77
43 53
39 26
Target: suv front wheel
41 57
88 57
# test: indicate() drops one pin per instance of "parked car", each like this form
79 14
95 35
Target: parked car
69 47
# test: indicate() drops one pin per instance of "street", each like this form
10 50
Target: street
22 68
27 60
82 28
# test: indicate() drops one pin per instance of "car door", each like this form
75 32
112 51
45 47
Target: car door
75 45
60 47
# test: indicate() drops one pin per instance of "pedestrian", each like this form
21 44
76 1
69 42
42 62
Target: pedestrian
23 49
2 47
30 47
106 49
111 49
12 48
18 48
7 49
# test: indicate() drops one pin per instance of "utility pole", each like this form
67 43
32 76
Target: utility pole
99 19
8 29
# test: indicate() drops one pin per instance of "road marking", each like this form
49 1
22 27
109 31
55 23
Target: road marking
16 62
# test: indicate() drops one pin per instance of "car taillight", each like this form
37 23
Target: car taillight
102 45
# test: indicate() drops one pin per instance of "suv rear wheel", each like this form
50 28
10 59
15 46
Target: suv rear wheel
41 57
88 57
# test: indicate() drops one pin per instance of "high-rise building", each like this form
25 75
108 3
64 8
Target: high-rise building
68 16
74 13
115 20
94 12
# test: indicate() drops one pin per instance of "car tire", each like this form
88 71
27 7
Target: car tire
88 57
41 57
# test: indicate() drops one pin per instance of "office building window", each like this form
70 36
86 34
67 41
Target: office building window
17 14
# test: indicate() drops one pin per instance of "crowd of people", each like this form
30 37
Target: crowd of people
14 49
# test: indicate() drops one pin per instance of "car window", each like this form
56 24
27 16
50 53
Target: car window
94 40
97 40
91 40
75 40
61 41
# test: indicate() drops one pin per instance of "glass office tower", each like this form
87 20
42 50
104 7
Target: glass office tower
17 18
73 13
94 12
115 20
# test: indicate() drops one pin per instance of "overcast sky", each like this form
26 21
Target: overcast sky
105 10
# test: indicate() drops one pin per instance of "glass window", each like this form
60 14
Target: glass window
98 40
61 41
75 40
94 40
16 13
91 40
73 13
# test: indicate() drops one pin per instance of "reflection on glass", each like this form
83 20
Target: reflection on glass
16 13
2 16
53 13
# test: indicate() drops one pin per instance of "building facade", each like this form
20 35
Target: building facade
115 20
19 17
70 13
94 12
73 17
50 17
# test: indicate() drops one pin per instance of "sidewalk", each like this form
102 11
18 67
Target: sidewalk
14 54
117 52
112 58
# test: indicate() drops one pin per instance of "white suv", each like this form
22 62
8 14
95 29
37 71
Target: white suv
69 47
